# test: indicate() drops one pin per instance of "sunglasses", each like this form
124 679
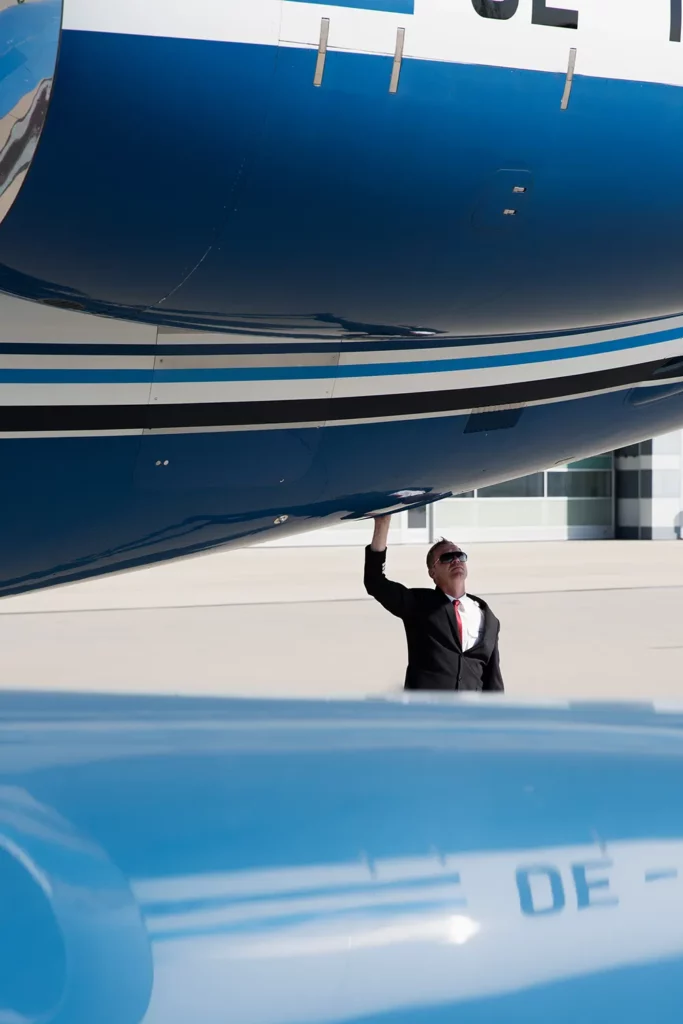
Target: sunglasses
452 556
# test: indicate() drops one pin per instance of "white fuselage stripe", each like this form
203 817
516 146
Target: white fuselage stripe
629 40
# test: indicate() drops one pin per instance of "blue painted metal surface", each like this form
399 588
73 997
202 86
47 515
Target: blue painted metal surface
397 6
82 506
167 860
345 202
514 357
339 219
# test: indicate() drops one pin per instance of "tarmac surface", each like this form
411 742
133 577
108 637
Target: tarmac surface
594 620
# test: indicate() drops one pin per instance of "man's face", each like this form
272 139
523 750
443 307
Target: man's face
448 571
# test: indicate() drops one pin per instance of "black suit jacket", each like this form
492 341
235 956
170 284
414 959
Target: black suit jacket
436 660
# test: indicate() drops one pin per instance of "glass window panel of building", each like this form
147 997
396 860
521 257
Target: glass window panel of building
531 486
595 462
580 484
583 478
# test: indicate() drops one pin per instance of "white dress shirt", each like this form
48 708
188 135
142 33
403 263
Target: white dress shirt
472 619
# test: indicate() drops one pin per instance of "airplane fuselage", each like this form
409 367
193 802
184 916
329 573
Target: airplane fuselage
287 260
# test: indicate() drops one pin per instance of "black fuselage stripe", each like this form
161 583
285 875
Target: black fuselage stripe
283 411
291 344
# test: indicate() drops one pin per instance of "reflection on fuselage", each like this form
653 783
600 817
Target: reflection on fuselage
335 942
411 862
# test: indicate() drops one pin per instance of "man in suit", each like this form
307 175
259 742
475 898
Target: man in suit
452 636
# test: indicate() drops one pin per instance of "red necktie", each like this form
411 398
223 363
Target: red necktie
456 605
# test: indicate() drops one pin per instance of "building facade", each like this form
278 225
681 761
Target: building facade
649 489
635 493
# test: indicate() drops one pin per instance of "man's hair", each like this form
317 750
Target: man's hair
434 548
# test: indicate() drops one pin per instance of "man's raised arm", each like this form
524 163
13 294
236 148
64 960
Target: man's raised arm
381 533
396 598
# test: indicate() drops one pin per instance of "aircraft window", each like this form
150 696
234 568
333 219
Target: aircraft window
579 483
531 486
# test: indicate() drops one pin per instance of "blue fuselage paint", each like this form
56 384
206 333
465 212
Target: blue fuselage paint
212 184
177 859
211 187
83 506
31 375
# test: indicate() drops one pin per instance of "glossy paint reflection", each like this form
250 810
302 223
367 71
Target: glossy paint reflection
278 862
77 507
415 933
29 40
155 215
71 930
